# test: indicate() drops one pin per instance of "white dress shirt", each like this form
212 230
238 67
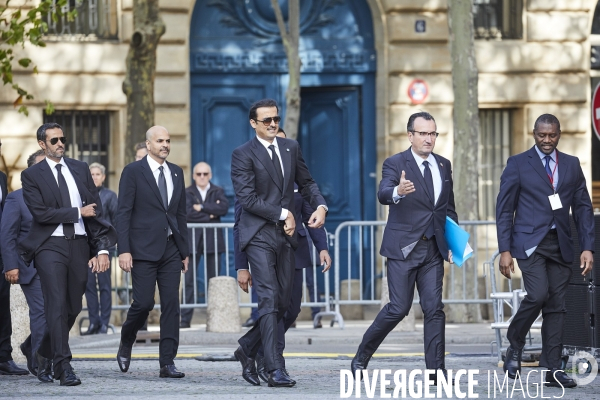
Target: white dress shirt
203 191
435 174
73 194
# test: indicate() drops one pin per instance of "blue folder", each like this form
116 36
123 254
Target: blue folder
458 242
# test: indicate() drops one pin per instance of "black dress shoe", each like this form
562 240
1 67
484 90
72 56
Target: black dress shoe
248 367
169 371
27 353
285 371
359 362
10 368
249 323
278 378
44 369
91 330
184 325
103 329
124 357
512 362
558 378
433 376
260 368
68 378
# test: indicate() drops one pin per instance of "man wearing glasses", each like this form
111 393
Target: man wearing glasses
538 189
67 233
417 186
206 203
263 172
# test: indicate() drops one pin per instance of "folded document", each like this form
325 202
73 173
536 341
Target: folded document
458 242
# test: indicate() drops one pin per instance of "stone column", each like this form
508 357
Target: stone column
408 323
223 311
19 312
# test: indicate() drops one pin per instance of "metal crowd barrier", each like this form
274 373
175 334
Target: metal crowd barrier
357 258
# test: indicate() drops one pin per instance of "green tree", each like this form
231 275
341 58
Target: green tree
18 27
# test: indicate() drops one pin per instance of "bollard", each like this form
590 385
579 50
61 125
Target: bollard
19 313
408 323
351 311
223 311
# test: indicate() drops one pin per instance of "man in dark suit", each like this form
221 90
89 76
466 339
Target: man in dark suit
15 227
417 186
206 204
66 232
99 312
538 188
153 246
7 365
263 172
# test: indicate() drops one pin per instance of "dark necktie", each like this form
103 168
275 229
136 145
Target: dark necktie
277 165
548 170
162 187
429 183
68 229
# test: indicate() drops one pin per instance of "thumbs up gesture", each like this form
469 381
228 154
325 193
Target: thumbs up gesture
405 187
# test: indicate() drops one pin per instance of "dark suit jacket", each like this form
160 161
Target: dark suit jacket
215 204
409 219
41 194
4 188
257 188
15 226
523 212
142 221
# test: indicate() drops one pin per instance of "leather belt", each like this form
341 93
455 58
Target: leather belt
76 237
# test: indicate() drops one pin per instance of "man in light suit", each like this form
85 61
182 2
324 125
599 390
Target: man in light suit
15 227
153 246
263 172
538 189
67 232
417 186
206 203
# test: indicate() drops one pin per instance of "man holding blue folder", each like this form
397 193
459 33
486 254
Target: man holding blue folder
538 188
417 186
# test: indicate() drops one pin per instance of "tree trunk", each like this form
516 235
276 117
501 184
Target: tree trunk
141 70
466 143
290 37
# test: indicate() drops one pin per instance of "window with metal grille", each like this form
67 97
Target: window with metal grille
88 135
498 19
95 20
494 142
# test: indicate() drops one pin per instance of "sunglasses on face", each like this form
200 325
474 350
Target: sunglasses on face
202 173
267 121
55 140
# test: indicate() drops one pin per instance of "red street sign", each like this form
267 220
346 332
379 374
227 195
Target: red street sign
418 91
596 111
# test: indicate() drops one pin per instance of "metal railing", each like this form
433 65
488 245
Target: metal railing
94 20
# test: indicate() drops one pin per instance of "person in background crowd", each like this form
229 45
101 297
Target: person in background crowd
140 151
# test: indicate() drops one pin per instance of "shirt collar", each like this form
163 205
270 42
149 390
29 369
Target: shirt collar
419 160
155 165
542 155
53 164
205 190
267 144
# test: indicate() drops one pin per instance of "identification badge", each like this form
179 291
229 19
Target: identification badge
555 201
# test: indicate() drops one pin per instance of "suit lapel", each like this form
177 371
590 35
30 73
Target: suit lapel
176 184
147 172
78 180
263 156
286 161
50 180
561 170
442 169
412 164
536 164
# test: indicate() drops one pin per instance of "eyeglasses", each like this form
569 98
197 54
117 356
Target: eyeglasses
430 134
55 140
202 173
267 121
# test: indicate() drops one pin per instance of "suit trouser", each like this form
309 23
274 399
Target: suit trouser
99 313
546 278
37 319
425 267
271 259
5 321
145 275
62 266
190 278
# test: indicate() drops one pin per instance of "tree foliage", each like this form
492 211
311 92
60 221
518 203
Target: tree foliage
19 26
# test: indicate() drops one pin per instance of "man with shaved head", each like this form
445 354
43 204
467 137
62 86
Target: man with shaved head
153 246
